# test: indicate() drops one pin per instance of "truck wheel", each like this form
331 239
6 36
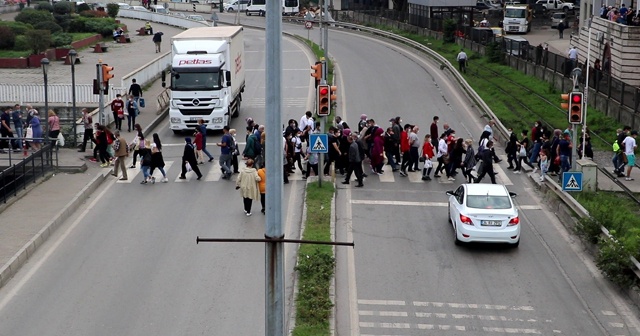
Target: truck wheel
566 9
248 13
177 132
261 13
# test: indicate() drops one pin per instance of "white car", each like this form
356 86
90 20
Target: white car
199 18
483 212
139 8
123 5
236 5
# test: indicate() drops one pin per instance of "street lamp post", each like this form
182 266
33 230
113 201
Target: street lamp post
45 70
72 58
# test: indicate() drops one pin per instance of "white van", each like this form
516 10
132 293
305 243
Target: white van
289 7
159 9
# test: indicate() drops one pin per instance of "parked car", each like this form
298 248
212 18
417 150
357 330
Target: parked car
236 5
123 5
159 9
139 8
483 212
178 14
199 18
558 17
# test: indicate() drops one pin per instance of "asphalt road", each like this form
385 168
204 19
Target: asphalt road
127 262
405 275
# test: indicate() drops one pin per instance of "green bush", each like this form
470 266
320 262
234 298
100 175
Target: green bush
113 9
7 38
22 43
44 6
449 31
101 26
94 14
63 7
63 20
32 16
589 228
82 7
18 28
38 40
614 263
494 52
78 25
48 25
61 39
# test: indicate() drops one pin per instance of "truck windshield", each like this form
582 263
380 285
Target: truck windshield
187 81
515 13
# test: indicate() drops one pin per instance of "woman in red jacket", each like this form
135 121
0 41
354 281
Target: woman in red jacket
427 154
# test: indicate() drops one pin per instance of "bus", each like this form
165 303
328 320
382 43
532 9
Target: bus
259 7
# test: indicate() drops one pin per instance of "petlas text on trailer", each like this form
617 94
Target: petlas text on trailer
207 77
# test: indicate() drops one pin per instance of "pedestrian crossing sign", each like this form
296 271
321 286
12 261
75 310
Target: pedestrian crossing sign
319 143
572 181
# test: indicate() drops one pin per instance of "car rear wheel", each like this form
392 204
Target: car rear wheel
455 235
449 216
516 244
230 10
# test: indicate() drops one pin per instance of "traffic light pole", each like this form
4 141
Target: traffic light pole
585 101
101 93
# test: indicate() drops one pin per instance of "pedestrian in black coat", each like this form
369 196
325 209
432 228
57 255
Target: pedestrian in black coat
487 163
189 156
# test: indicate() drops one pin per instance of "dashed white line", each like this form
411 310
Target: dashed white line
382 302
470 305
511 330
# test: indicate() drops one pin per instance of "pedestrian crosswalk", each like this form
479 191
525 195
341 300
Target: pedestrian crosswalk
398 317
212 173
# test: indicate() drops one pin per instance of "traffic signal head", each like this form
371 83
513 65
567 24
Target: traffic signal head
565 101
324 100
106 73
333 96
317 71
575 107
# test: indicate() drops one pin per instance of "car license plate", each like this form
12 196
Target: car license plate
491 223
194 119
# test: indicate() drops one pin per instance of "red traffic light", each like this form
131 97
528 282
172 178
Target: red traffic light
576 98
324 90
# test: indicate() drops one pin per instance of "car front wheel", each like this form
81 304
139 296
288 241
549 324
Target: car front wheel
230 10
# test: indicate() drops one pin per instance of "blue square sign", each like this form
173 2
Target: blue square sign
319 143
572 181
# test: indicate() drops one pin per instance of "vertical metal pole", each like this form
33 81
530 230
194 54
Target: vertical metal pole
73 99
325 43
323 81
585 100
46 109
274 252
101 93
320 25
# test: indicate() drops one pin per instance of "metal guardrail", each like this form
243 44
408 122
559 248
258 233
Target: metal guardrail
57 93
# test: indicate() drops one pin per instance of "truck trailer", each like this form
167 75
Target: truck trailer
207 77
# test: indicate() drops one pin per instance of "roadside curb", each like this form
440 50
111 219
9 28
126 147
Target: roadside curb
155 122
21 257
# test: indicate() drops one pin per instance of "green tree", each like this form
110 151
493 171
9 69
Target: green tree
38 40
113 9
449 31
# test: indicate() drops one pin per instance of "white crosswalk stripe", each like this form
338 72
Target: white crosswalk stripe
381 317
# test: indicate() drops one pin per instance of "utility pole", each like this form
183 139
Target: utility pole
274 250
586 92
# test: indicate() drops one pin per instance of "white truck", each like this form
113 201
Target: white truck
517 19
555 5
207 77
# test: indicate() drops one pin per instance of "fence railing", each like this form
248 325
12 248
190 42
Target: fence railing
57 93
28 170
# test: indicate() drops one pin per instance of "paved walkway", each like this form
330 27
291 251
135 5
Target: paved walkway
125 58
29 218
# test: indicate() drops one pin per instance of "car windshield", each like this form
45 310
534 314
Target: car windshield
488 202
187 81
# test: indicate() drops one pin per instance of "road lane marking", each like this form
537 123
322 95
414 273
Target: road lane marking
351 269
383 313
382 302
440 327
469 306
427 204
511 330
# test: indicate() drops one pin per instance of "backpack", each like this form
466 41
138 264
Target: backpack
257 147
362 124
110 138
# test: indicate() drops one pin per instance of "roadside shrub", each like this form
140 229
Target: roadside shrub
94 14
32 16
589 228
63 7
22 43
77 25
113 9
61 39
494 52
18 28
614 263
38 40
48 25
7 38
82 7
44 6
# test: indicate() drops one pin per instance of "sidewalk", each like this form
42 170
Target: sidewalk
29 219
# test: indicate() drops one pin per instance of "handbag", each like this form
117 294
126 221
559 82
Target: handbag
188 167
29 132
523 151
141 102
60 139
